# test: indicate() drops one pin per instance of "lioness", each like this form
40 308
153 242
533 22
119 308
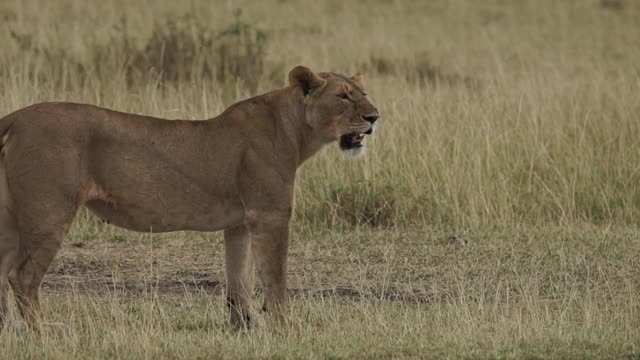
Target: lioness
234 172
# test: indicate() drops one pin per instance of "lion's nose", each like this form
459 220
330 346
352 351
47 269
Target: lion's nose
371 117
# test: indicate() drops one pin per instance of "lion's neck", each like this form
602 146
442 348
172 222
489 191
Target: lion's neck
290 113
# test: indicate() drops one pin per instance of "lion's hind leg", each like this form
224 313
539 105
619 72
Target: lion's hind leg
38 247
26 280
46 194
9 245
8 253
41 233
4 301
7 262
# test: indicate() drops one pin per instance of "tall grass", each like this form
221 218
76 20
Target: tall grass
493 113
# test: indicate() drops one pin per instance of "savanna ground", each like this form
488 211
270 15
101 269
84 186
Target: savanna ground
495 214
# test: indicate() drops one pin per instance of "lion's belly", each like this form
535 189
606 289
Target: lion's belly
209 217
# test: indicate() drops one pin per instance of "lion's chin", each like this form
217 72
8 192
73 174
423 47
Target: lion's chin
354 152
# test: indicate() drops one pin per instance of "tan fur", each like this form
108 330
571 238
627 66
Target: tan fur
234 172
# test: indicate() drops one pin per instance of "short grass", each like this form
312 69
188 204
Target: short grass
546 293
493 216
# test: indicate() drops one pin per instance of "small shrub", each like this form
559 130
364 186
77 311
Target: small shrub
241 49
176 51
616 5
182 49
420 70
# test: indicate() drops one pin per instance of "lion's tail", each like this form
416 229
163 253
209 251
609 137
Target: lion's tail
5 125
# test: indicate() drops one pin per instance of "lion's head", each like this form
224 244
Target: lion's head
336 107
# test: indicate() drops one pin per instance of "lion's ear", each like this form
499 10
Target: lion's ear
358 79
305 78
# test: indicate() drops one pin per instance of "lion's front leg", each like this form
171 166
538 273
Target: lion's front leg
269 233
240 275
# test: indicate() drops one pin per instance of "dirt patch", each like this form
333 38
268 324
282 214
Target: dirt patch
395 295
173 288
135 288
175 268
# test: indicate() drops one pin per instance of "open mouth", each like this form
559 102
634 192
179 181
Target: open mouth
351 141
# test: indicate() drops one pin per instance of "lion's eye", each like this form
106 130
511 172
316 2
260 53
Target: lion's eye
343 96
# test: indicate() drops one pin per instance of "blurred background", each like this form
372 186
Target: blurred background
494 113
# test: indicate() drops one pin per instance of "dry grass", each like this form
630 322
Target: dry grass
494 214
492 113
548 293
